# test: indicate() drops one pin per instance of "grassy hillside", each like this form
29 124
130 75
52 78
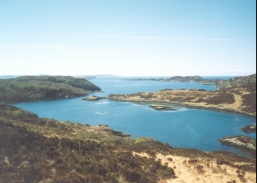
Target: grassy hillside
36 149
44 150
43 87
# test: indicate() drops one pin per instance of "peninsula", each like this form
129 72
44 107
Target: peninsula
235 95
34 149
29 88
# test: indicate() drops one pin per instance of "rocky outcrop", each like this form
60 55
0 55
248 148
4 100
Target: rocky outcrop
236 82
245 143
160 107
93 98
249 129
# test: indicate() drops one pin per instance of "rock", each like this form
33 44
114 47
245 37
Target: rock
249 129
162 107
93 98
245 143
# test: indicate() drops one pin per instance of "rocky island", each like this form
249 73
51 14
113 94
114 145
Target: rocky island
249 129
161 107
27 88
93 98
239 98
34 149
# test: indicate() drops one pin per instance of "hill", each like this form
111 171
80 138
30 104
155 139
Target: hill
44 87
44 150
236 82
185 79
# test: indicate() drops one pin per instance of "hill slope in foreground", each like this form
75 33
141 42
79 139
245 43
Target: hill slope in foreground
44 87
44 150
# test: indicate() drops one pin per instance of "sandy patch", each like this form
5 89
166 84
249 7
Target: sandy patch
201 170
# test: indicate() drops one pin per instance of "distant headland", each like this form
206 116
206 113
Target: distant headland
27 88
180 79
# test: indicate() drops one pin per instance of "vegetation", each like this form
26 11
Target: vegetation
244 143
239 99
236 82
36 149
44 150
44 87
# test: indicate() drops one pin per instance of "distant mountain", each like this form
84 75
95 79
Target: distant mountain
44 87
237 81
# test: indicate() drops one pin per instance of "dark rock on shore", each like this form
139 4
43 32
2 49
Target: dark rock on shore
249 129
244 143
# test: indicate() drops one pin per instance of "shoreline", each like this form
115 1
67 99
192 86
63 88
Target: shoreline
80 145
189 106
47 99
144 102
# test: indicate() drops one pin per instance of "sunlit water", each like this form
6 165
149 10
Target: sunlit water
185 127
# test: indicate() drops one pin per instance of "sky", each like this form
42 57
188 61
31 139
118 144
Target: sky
128 37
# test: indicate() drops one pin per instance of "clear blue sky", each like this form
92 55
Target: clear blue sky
128 37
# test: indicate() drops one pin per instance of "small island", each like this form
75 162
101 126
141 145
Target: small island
93 98
161 107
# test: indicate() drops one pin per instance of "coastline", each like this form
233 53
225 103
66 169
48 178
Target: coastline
211 108
46 99
97 150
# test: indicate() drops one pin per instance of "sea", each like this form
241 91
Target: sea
183 128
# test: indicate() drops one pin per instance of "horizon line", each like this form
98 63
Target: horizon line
160 37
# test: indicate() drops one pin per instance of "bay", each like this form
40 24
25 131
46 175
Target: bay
186 127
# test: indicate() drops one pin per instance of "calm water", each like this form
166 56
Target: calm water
185 127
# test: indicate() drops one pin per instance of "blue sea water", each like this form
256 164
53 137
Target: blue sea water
186 127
